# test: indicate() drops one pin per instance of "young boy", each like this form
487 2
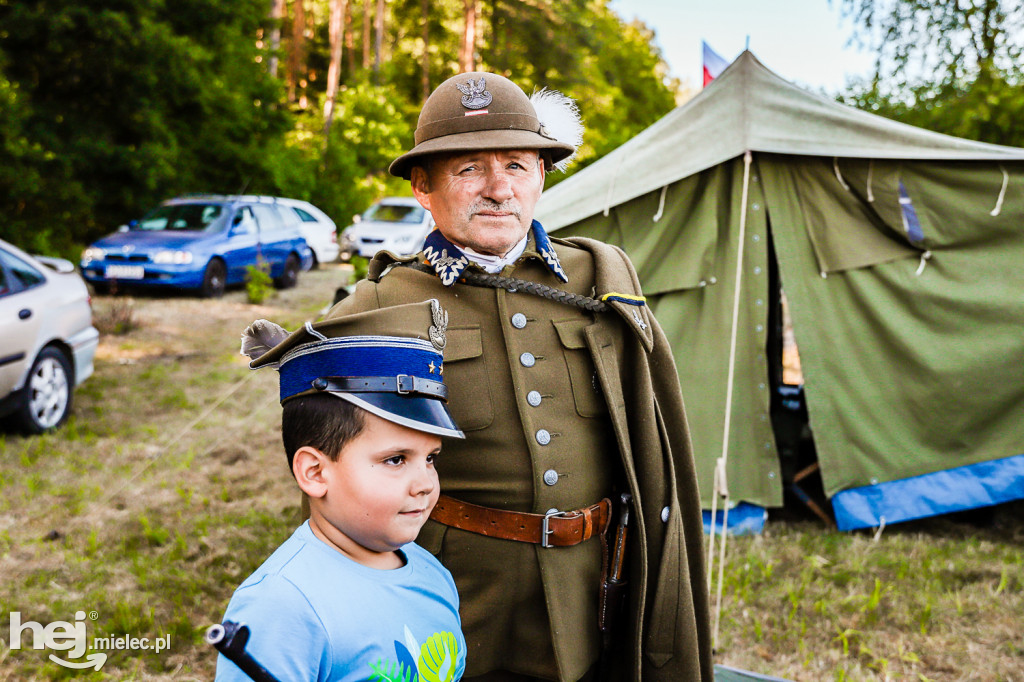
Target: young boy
349 596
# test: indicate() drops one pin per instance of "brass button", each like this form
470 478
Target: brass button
519 320
527 360
550 477
534 398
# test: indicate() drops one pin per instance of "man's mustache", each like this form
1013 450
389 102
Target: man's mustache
511 206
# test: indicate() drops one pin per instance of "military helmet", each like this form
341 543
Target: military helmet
479 110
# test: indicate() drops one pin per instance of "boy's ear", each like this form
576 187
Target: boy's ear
308 467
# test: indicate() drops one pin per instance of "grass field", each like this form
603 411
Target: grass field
168 486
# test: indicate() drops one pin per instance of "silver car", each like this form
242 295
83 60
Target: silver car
395 224
47 341
316 226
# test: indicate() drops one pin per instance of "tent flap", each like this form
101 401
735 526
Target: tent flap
847 231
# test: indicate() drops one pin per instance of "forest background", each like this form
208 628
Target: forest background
107 108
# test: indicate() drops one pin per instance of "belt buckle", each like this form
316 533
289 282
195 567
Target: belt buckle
546 529
405 384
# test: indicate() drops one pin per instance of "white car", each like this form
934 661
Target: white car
395 224
47 341
319 230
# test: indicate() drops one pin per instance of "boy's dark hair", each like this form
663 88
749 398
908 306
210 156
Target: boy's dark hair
320 421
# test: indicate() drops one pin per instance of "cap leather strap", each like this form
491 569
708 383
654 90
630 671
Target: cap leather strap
402 384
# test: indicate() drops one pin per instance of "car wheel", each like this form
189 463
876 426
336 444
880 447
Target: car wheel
48 392
101 288
290 276
214 279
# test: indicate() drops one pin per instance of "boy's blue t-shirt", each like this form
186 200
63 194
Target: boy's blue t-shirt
314 614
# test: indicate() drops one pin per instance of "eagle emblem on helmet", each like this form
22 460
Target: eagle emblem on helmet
474 94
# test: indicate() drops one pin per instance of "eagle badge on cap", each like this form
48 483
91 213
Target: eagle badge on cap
474 95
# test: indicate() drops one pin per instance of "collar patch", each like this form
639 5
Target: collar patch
448 268
449 261
547 252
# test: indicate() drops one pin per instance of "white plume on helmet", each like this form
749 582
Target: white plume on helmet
561 120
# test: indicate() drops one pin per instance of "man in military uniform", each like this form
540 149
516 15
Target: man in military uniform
565 387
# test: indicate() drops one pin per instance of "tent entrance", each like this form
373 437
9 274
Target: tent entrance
803 490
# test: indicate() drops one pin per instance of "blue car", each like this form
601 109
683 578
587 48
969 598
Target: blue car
200 243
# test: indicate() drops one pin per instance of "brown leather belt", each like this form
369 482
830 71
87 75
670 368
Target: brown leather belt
557 529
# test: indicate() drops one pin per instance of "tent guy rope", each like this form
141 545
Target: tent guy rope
721 479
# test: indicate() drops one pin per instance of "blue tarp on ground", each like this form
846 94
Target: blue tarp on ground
744 518
967 487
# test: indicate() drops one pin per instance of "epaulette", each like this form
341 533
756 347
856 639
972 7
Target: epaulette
382 263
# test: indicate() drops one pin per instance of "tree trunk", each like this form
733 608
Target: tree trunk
297 55
467 52
378 40
274 39
425 59
366 34
336 26
350 43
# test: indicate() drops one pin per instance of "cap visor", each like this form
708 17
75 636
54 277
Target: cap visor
422 414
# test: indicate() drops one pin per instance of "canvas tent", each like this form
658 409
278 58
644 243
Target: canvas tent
901 255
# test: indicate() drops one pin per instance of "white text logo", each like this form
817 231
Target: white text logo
71 637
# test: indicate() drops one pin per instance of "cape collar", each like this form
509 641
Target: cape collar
449 261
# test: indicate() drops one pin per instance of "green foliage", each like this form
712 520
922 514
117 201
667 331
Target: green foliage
107 108
360 267
258 282
122 104
950 67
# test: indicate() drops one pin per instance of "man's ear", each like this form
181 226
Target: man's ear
308 467
420 182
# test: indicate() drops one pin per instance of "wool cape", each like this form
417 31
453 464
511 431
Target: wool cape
667 612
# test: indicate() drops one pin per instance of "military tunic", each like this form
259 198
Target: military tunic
525 389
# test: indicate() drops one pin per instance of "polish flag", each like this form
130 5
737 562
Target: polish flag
714 64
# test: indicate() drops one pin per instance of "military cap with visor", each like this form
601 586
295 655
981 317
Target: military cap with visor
390 362
484 111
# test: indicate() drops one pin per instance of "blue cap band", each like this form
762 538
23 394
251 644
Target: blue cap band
357 356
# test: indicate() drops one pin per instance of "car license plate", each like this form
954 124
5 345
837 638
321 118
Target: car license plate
125 272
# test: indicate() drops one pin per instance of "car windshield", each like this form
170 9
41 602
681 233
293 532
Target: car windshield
394 213
192 217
